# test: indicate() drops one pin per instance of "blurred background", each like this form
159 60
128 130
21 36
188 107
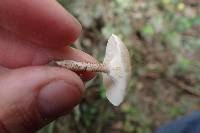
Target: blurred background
163 37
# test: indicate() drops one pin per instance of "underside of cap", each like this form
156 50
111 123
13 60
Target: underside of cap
117 60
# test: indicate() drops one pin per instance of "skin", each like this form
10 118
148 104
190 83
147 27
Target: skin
32 94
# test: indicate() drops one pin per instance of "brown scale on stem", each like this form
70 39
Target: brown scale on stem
81 66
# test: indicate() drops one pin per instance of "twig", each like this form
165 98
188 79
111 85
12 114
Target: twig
183 86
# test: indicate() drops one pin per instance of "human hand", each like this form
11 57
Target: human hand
32 33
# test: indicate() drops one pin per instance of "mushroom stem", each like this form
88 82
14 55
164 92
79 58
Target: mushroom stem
81 66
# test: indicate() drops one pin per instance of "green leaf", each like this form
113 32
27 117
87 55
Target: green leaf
102 91
183 23
148 30
184 63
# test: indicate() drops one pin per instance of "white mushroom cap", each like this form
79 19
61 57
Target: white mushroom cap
117 60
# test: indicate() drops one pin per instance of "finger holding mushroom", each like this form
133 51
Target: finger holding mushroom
116 69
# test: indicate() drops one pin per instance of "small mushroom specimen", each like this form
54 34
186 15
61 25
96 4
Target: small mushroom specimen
117 61
116 69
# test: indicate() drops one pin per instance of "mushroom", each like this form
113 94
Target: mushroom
116 69
117 61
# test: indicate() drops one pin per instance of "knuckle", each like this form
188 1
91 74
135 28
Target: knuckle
3 128
19 119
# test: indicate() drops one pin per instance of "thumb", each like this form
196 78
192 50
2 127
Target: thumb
32 97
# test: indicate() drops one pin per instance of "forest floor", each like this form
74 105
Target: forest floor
163 37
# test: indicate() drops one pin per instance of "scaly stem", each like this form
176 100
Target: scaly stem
81 66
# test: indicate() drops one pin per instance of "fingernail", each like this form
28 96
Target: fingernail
77 28
78 24
58 98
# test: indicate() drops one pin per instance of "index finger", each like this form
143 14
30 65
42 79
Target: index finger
44 22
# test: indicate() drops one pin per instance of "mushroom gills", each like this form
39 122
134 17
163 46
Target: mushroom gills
117 60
